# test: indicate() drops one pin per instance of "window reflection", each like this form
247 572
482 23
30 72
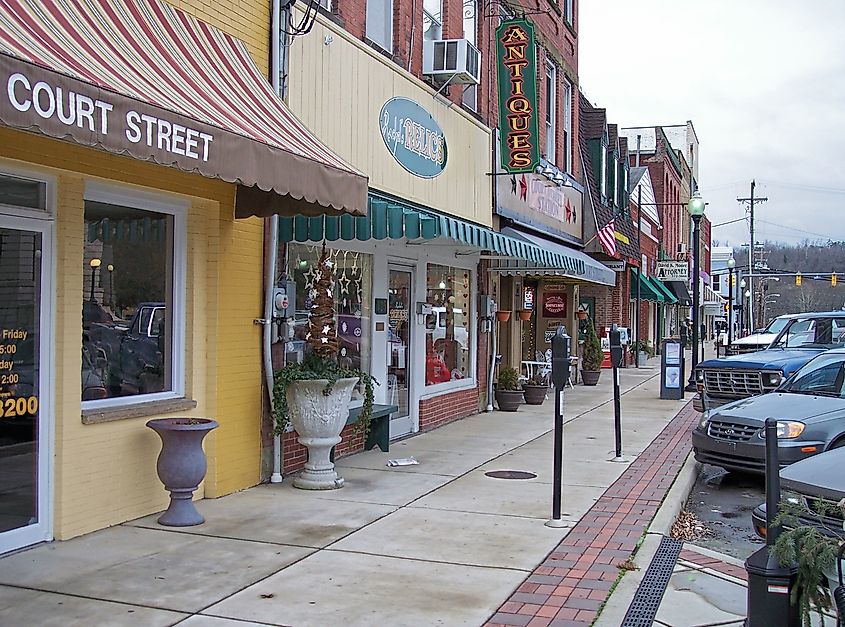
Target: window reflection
447 332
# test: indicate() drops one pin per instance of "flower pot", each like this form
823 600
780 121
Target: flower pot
535 394
525 314
503 315
509 400
590 377
181 466
318 419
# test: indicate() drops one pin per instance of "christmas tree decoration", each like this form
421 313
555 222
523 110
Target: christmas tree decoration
322 335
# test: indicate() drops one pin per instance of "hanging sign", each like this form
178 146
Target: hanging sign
672 271
413 137
517 75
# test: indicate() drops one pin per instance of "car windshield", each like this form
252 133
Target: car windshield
822 376
812 333
777 325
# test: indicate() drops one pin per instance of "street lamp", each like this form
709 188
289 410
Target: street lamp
748 308
110 268
94 263
731 266
696 212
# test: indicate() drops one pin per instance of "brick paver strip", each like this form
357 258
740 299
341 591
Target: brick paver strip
704 561
576 576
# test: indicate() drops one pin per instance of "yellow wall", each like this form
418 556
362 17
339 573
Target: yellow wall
338 91
248 20
105 473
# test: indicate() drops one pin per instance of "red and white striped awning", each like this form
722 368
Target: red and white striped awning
140 78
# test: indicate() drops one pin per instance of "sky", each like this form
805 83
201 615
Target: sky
763 82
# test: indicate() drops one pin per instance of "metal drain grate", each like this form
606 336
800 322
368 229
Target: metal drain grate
510 474
646 601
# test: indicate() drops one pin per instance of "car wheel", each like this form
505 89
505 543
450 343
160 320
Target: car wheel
838 443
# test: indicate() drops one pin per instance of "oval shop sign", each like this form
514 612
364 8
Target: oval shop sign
412 136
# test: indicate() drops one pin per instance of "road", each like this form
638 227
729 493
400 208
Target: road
723 502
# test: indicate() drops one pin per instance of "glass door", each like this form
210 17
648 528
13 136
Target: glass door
24 504
400 317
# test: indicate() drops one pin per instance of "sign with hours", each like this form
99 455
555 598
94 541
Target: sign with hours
672 271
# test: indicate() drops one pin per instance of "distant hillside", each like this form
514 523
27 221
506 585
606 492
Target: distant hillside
809 258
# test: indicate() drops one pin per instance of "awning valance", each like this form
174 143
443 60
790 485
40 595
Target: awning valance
669 296
589 270
679 289
143 79
647 290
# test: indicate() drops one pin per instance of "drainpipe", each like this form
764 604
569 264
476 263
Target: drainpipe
271 254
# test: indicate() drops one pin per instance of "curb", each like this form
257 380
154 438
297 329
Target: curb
675 498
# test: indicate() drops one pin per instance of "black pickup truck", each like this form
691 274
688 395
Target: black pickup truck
134 350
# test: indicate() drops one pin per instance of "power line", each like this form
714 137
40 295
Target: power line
814 188
792 228
713 226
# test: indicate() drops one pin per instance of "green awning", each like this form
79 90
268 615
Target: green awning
394 220
669 296
647 290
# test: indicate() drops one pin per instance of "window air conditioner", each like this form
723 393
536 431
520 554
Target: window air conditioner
455 59
682 249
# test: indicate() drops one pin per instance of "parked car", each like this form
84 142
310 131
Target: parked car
727 379
810 408
760 339
817 487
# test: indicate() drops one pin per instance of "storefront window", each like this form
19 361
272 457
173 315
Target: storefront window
447 329
127 309
353 298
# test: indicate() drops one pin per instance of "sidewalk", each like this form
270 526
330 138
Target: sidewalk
436 543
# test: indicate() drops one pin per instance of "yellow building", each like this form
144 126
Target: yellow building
130 268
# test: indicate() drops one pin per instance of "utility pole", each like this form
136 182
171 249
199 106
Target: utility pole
751 251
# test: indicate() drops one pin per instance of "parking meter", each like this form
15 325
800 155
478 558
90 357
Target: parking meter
560 357
617 353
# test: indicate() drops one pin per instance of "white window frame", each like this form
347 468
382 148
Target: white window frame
385 9
568 12
438 20
567 125
470 95
551 112
716 283
134 198
615 180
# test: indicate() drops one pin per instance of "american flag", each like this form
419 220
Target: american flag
607 239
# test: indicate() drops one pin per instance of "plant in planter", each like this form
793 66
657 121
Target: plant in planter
592 357
508 394
536 388
644 348
314 395
814 550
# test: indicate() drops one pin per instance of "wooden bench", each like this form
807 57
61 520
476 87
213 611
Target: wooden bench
379 434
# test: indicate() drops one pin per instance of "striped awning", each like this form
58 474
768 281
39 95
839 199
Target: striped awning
647 290
667 294
141 78
388 219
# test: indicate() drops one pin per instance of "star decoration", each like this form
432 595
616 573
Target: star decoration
513 184
326 328
343 282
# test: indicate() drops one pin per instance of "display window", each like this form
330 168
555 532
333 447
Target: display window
448 335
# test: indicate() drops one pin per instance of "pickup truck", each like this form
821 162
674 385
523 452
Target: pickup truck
721 381
134 350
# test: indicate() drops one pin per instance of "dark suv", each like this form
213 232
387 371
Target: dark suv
732 378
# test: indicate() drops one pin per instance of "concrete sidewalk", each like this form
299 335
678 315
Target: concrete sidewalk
435 543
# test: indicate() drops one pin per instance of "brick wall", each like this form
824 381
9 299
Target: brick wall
440 410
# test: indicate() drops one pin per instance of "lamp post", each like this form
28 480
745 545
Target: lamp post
110 268
731 266
94 263
739 297
696 212
748 305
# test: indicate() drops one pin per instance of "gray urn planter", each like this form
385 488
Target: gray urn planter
318 419
181 466
509 400
590 377
535 394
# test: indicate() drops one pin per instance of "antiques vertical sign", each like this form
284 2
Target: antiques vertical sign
517 75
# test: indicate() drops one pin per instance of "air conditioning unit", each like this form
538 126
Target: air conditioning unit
456 60
682 249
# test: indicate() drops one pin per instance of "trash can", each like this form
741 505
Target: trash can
672 369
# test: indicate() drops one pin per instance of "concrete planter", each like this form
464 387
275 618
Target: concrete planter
535 394
590 377
318 419
509 400
181 466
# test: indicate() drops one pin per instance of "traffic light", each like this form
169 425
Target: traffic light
833 280
727 307
798 279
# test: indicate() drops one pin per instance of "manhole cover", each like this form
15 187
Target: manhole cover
510 474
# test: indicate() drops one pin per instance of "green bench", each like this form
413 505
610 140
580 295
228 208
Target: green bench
379 435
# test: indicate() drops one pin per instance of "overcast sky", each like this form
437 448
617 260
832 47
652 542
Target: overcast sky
763 82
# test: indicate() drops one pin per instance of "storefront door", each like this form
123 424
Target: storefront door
399 347
24 442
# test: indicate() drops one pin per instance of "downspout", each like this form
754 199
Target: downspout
271 254
492 321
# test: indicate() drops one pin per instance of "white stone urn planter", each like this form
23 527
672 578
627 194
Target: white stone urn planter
318 419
